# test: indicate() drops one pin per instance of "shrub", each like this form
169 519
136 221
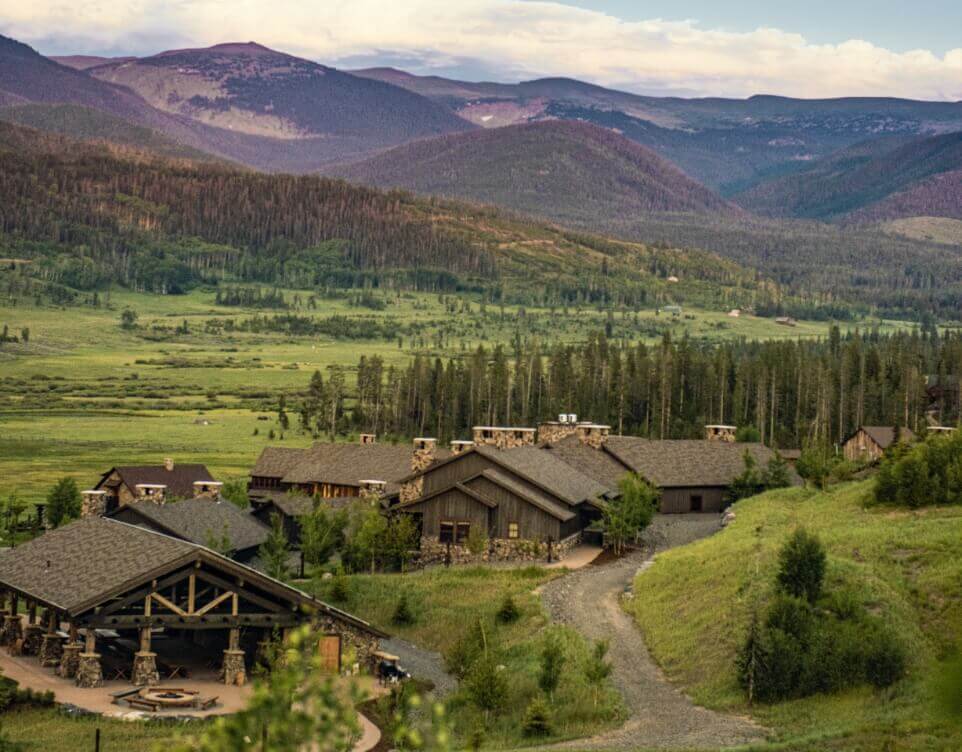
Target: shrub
801 568
552 663
340 591
537 719
885 662
403 615
509 611
486 684
477 541
748 435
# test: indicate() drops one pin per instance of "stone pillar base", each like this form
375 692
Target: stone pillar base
89 673
12 629
234 672
70 660
32 637
51 648
145 670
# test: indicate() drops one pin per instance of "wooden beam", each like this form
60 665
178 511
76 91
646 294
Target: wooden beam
216 602
191 592
207 621
257 600
143 591
167 604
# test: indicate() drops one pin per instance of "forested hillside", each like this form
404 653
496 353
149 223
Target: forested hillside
158 225
562 170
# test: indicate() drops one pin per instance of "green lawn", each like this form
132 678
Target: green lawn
694 604
50 730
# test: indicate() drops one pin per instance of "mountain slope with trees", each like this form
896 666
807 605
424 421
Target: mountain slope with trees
562 170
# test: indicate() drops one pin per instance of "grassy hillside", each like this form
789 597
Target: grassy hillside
932 229
694 606
562 170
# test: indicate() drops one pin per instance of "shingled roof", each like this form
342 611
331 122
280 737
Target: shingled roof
91 561
884 436
548 471
601 466
685 463
276 462
200 520
179 479
348 464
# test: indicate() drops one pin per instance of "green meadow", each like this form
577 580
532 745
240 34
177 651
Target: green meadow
694 605
83 393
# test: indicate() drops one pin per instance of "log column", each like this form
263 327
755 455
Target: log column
234 670
51 648
145 662
12 627
89 672
70 660
33 634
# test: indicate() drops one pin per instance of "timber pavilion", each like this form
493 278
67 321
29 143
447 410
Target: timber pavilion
143 600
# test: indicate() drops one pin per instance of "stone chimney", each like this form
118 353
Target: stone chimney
367 438
207 489
593 434
425 450
169 464
372 489
555 430
720 433
153 491
504 437
458 446
94 503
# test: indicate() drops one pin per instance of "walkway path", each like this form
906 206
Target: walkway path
660 716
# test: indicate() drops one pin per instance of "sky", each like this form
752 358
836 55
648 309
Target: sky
705 48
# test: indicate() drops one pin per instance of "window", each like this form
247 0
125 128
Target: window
696 504
513 531
447 532
464 530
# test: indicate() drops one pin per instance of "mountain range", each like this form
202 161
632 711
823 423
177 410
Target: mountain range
797 189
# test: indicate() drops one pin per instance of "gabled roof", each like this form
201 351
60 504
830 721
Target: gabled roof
179 480
200 520
288 504
276 462
884 436
685 463
91 561
466 490
532 494
547 471
603 467
349 464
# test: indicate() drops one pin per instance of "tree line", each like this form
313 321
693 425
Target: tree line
794 393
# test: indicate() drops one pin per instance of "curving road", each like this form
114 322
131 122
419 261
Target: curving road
660 716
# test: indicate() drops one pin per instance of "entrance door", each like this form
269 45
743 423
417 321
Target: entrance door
329 649
696 503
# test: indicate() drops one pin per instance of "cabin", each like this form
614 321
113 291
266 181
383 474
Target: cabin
285 481
868 443
129 483
215 523
104 585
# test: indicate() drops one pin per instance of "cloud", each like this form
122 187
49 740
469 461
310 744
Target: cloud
510 39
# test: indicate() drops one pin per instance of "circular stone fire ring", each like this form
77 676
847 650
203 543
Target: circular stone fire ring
171 698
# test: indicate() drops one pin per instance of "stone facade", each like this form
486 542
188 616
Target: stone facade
70 660
233 672
503 437
720 433
32 637
553 431
425 450
145 669
89 673
365 644
432 551
94 503
593 435
412 489
51 650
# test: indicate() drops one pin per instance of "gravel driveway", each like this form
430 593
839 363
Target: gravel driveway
422 664
660 716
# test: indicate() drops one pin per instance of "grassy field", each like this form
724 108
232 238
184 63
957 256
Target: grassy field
83 393
448 603
694 606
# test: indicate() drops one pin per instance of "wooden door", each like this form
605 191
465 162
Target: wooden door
329 649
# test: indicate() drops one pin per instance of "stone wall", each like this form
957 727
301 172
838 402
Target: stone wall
425 450
554 431
412 489
499 549
364 643
503 438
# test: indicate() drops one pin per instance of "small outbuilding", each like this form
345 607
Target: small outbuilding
868 443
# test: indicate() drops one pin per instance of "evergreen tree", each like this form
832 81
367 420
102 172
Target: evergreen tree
63 502
275 552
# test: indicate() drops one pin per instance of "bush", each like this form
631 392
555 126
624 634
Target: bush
509 611
801 568
537 719
402 612
340 591
886 661
925 474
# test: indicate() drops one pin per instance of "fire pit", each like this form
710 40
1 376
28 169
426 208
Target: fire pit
168 697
